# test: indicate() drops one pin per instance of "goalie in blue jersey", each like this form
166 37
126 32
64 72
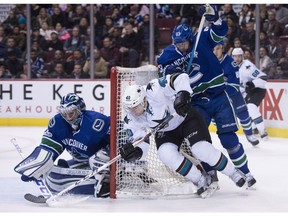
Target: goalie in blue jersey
207 81
85 135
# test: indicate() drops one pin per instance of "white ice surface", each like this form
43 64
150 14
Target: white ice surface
268 163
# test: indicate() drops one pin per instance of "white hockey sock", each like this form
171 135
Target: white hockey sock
171 157
256 117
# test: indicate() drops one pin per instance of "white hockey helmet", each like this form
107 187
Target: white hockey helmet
133 96
237 51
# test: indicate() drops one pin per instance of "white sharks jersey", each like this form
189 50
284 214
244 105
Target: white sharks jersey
249 72
160 97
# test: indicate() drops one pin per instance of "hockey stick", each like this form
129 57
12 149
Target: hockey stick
45 192
200 28
51 201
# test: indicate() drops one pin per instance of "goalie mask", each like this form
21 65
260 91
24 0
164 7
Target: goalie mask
71 107
134 99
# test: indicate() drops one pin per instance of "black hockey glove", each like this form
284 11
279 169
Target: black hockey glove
130 153
182 103
170 69
249 87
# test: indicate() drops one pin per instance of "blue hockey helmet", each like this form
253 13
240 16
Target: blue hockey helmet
182 33
71 107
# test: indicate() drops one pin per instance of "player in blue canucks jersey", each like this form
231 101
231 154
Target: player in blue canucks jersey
85 135
231 73
207 81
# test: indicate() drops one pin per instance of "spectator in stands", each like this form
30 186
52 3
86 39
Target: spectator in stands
236 44
78 14
116 36
248 54
283 62
10 22
75 58
58 58
13 64
76 41
117 17
248 37
10 45
59 17
98 27
110 53
279 73
37 37
233 30
54 43
130 45
134 17
108 27
186 13
273 25
37 65
45 31
78 72
265 63
227 10
164 11
3 37
83 25
144 33
35 9
275 50
20 38
44 17
58 72
4 74
62 33
281 13
245 16
263 39
100 66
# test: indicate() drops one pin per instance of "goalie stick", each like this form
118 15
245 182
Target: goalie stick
45 192
52 201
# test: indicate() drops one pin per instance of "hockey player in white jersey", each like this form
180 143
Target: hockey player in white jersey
253 88
147 106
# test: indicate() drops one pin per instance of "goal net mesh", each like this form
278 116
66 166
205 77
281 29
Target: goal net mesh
140 179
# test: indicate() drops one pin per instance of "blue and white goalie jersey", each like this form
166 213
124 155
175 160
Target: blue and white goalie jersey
93 134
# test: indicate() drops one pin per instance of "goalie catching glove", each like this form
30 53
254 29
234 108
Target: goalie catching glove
182 103
130 153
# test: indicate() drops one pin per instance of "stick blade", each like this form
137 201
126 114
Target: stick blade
35 199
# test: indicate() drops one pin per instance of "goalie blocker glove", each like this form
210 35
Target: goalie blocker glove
130 153
182 103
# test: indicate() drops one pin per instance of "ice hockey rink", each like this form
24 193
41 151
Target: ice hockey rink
268 162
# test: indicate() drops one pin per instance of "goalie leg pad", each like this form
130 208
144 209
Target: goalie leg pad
36 165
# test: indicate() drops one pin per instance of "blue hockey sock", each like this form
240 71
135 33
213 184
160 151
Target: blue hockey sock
235 150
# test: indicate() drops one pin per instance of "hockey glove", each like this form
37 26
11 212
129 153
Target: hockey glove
182 103
170 69
130 153
249 87
210 12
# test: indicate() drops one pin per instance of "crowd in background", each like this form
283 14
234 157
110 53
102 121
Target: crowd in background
60 37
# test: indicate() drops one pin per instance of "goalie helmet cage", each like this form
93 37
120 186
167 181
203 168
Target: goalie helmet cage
140 179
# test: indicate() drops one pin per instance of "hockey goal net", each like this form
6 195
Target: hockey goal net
140 179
